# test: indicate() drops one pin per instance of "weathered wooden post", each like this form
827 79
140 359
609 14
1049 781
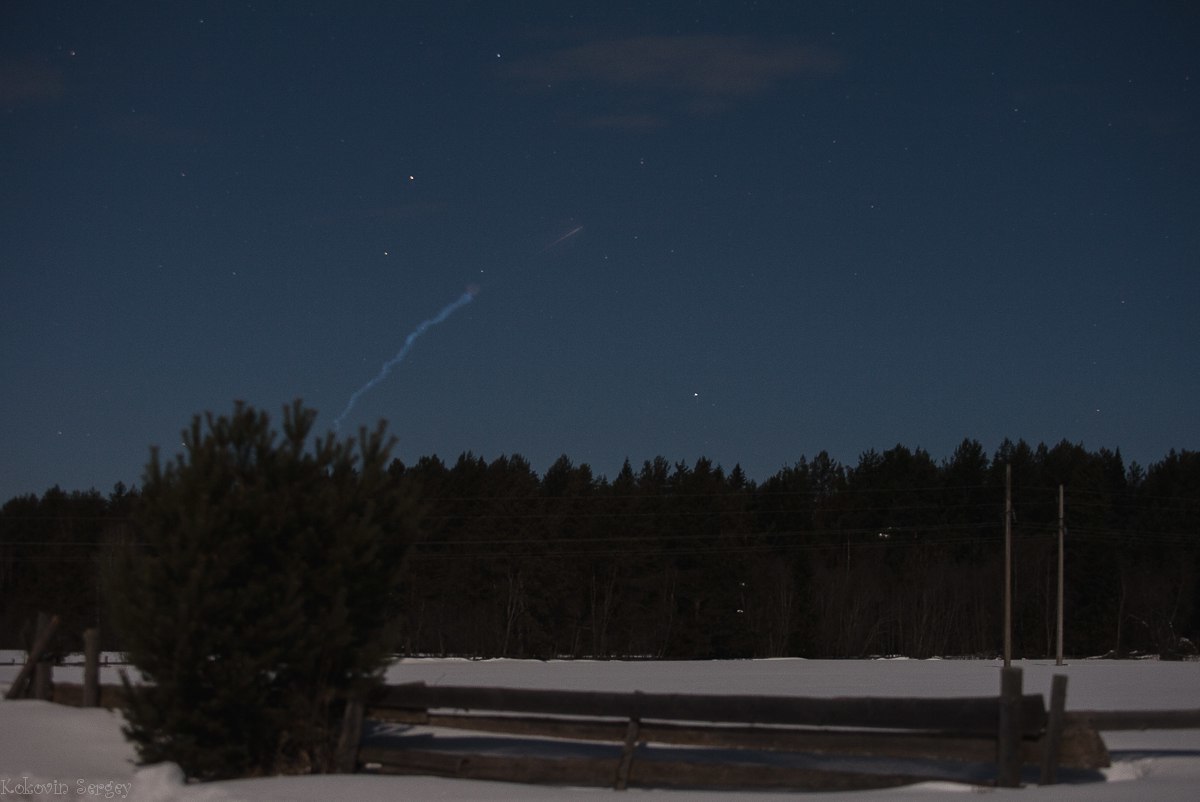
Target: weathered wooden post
1008 744
632 732
626 763
348 741
41 642
1054 729
43 671
91 667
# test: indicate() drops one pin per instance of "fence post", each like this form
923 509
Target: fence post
43 672
43 682
1008 744
40 644
351 735
1054 729
631 739
632 731
91 667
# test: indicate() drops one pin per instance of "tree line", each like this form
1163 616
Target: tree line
897 554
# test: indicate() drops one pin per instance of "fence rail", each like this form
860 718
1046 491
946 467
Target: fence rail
967 715
1139 719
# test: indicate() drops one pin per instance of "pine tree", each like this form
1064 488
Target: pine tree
262 592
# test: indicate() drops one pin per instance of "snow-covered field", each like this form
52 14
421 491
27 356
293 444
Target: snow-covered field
54 752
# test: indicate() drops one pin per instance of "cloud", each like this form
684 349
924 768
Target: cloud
27 81
702 74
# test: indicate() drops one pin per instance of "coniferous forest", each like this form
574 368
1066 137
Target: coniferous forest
899 554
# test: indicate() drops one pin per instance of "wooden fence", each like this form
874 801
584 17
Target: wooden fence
718 741
35 680
710 741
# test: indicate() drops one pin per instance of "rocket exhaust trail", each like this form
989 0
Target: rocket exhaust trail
464 299
425 325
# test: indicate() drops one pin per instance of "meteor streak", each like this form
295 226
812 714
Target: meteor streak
568 235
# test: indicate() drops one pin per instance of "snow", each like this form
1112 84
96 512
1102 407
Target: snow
52 752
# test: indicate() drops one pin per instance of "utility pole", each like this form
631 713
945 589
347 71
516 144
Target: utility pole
1058 653
1008 565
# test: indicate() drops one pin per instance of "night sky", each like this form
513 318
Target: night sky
745 231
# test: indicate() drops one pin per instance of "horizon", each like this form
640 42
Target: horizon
636 465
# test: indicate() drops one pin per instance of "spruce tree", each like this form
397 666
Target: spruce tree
261 592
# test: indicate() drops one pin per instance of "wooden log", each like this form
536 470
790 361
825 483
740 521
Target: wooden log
738 776
1008 739
91 667
1054 729
1140 719
965 715
663 773
597 772
40 644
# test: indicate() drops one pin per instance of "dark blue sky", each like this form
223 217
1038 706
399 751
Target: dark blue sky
805 226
